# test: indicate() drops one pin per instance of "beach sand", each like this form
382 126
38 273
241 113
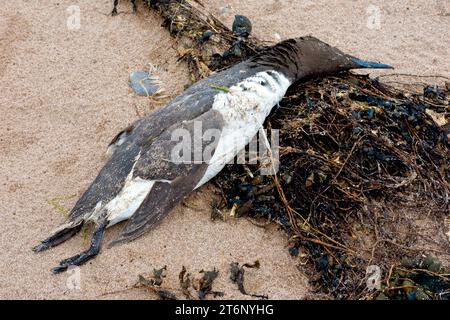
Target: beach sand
64 95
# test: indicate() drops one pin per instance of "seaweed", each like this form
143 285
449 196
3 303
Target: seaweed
351 180
202 285
185 282
419 278
205 284
237 276
203 39
56 204
154 284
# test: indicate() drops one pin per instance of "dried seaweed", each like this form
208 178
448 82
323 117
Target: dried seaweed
185 282
237 276
353 166
360 163
206 282
421 278
154 284
186 21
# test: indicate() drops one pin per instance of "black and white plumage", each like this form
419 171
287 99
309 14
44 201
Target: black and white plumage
141 185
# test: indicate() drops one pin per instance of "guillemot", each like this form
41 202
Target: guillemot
141 183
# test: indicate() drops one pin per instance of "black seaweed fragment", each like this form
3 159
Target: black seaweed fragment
237 276
206 283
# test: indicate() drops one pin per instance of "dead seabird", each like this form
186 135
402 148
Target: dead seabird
142 183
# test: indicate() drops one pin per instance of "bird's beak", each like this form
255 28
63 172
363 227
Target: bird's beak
370 64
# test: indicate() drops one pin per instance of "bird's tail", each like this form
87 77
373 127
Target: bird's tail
63 233
106 186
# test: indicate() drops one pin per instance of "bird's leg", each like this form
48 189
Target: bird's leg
88 254
114 10
57 238
134 6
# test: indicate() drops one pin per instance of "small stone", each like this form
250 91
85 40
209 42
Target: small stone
408 263
293 251
287 178
435 267
206 36
242 26
428 262
411 295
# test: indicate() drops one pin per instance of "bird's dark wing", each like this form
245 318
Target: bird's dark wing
174 179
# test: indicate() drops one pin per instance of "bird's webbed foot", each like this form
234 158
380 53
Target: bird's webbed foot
86 255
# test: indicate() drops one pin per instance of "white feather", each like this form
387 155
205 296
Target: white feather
128 200
244 109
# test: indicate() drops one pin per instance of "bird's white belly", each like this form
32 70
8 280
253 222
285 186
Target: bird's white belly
128 200
244 109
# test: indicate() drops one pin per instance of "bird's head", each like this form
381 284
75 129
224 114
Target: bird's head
305 57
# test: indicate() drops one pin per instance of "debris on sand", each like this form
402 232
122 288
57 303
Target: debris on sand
203 285
143 84
154 284
206 282
237 276
185 282
203 38
58 206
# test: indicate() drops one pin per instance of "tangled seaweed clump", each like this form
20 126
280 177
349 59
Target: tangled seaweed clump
359 163
363 166
204 42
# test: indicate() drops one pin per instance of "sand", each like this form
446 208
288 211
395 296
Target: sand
64 95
